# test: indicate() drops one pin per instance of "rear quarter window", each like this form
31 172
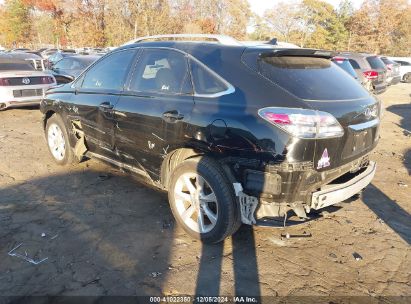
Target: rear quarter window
205 83
310 78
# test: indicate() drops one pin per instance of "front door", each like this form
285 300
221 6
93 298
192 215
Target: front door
153 112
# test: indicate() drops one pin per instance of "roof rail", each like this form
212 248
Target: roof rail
223 39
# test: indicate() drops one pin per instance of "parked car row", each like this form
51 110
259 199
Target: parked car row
379 70
22 82
26 75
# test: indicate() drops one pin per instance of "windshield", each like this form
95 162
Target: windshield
87 61
16 66
310 78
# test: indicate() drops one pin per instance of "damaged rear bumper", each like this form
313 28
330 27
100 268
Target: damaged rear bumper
335 193
308 189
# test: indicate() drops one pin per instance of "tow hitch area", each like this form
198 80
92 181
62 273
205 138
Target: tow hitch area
334 193
248 204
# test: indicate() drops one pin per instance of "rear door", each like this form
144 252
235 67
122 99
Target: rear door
98 92
152 114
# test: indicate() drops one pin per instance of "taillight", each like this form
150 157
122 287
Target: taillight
47 80
4 82
303 123
371 75
389 66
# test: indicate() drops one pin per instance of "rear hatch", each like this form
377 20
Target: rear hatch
377 65
310 76
392 67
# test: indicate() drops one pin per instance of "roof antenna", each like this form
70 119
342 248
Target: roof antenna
273 41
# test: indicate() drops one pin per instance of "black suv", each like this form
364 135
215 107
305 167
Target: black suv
235 134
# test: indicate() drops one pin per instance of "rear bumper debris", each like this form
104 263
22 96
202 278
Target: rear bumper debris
335 193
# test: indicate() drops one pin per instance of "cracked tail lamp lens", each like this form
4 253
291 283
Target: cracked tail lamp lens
303 123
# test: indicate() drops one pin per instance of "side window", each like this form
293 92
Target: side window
110 73
404 63
162 71
354 64
204 81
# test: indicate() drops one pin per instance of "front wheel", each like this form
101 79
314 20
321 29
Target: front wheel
57 141
203 201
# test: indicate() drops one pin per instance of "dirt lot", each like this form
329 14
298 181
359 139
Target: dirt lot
111 235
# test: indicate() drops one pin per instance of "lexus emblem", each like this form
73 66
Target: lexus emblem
26 80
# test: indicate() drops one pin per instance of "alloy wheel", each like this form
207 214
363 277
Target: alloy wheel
196 202
56 141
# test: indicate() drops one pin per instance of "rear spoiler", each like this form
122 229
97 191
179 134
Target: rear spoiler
299 53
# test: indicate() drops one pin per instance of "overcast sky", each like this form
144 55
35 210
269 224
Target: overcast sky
259 6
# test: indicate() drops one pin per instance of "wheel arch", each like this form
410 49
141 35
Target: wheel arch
47 116
49 113
177 156
173 159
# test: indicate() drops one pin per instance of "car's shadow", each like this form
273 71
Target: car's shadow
404 111
389 211
103 235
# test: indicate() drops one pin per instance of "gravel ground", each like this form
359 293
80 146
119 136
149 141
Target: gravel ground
105 233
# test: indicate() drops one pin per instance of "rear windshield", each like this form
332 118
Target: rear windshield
310 78
346 66
16 66
375 62
355 64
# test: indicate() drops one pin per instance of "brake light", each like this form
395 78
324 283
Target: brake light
47 80
370 75
389 66
339 59
4 82
303 123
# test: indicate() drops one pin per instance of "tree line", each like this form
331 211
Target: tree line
381 26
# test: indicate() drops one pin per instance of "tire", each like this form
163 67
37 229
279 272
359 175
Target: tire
407 78
215 201
57 141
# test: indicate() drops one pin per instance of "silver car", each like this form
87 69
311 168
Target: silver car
21 84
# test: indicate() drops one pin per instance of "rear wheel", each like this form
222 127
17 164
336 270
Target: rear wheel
57 141
407 78
203 201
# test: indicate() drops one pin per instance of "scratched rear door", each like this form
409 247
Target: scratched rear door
153 114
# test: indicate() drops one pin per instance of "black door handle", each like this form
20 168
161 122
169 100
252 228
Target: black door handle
172 116
106 106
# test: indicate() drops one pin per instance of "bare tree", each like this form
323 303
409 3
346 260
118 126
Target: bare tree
284 18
